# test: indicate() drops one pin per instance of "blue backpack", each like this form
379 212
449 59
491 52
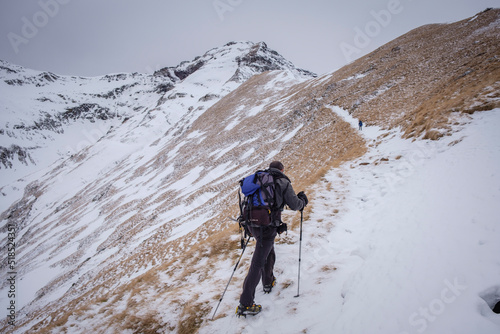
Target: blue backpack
259 189
259 205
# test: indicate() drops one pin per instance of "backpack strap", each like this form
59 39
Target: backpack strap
276 176
263 187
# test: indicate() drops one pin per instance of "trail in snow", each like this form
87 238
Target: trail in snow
407 243
368 132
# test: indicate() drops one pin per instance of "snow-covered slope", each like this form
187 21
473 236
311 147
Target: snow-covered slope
77 211
46 117
130 233
404 239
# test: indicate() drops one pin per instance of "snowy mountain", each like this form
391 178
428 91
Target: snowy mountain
124 227
46 116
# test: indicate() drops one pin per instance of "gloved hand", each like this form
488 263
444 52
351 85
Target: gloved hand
303 197
282 228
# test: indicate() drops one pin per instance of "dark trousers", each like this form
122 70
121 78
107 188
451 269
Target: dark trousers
262 263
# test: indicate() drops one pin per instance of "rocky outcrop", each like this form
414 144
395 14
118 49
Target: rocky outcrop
14 152
262 59
255 58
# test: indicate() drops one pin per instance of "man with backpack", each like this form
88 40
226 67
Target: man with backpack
262 216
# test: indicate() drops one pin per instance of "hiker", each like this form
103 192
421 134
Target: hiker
360 125
261 267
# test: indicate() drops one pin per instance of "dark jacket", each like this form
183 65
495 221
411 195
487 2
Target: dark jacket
285 195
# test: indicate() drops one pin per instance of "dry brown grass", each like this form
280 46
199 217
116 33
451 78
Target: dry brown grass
193 314
147 324
286 284
328 268
426 74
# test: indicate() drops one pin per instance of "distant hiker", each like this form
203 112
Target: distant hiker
261 267
360 125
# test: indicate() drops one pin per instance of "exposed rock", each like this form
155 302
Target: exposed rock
14 152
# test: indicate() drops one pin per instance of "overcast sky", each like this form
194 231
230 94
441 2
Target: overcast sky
96 37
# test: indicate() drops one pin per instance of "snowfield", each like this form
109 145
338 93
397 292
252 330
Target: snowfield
407 244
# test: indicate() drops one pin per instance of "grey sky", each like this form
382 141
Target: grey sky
95 37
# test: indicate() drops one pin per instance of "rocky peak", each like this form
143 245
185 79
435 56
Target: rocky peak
250 59
260 58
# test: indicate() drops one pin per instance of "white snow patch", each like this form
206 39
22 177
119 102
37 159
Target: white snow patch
247 153
291 134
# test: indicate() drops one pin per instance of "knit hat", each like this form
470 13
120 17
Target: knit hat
277 165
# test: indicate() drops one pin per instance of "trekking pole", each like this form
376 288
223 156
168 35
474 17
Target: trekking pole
300 249
230 278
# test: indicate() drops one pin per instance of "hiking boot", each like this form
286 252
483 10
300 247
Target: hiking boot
245 310
269 287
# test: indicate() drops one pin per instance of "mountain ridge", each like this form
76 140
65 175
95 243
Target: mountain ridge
425 72
75 99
